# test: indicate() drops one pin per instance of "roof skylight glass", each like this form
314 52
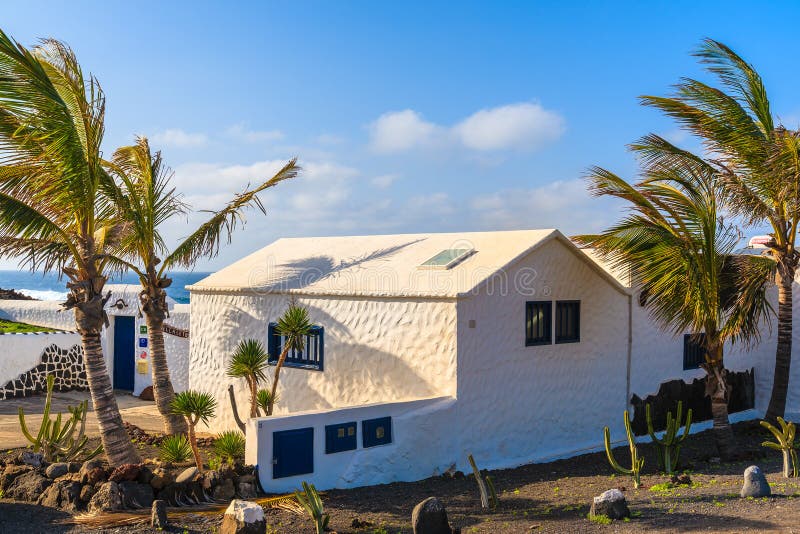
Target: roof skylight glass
447 258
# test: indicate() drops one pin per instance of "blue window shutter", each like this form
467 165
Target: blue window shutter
273 342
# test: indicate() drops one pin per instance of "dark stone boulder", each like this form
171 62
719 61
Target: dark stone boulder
56 470
430 517
125 472
161 478
87 491
28 486
136 495
147 394
108 498
224 491
10 473
64 494
34 459
612 504
94 466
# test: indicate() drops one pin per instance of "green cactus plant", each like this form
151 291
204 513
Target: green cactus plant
485 487
784 442
54 440
636 462
668 447
310 501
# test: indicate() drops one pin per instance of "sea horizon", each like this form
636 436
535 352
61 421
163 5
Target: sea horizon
48 286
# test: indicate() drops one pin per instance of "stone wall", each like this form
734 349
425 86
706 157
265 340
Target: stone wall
65 364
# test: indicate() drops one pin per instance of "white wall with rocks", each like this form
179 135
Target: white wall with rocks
23 352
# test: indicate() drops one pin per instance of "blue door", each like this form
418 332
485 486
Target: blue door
292 452
124 352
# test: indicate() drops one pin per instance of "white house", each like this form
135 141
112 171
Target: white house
125 343
513 346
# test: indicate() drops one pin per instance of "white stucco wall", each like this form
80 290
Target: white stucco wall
422 436
23 352
376 350
37 312
518 404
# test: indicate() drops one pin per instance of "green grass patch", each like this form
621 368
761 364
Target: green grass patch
599 519
13 327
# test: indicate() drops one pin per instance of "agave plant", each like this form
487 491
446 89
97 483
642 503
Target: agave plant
195 407
312 504
176 448
294 325
250 361
229 446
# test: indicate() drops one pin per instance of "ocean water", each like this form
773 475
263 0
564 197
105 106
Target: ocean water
48 287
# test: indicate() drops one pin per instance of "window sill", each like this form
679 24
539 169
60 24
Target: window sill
538 343
564 341
299 366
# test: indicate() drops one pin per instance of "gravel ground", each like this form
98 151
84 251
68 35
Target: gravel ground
552 497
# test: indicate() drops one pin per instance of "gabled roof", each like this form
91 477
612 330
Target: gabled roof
380 265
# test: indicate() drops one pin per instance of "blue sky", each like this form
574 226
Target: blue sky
408 117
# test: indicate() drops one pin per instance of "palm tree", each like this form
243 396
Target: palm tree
146 203
758 168
250 361
55 212
293 327
195 407
680 251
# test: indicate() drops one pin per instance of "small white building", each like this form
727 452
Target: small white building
125 343
513 346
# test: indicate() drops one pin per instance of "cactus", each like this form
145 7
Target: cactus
485 487
636 462
668 448
312 504
57 442
785 443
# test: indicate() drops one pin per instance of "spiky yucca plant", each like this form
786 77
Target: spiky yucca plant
250 361
229 446
194 406
175 448
294 325
264 399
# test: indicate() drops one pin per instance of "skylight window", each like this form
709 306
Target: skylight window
447 258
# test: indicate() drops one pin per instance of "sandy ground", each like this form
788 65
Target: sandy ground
138 412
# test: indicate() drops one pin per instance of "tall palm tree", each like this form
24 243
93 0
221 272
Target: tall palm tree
54 209
293 326
146 203
680 251
758 169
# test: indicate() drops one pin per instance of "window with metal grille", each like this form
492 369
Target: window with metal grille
694 352
538 322
568 321
312 355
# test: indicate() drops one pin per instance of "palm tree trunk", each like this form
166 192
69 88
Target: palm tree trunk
116 443
193 442
718 389
251 382
162 384
278 366
783 352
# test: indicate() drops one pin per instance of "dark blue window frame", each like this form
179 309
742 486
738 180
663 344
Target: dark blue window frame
341 437
376 432
693 351
568 321
312 356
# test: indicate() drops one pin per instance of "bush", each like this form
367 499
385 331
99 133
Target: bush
229 446
176 449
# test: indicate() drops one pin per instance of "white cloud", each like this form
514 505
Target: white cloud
565 205
330 139
384 181
523 126
398 131
240 132
178 138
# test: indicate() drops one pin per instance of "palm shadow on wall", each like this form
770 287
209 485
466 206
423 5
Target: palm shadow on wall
303 273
